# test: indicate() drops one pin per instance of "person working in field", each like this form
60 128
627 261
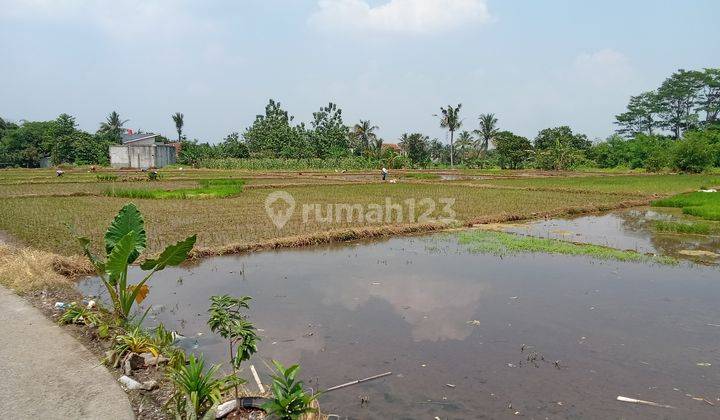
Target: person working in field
384 173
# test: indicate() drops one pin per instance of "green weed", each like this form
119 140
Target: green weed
700 204
501 243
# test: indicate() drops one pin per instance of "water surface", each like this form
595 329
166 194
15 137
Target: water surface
543 336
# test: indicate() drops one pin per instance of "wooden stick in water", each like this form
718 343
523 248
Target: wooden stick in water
257 379
643 402
358 381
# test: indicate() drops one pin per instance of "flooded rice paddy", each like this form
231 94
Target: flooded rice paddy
627 229
467 335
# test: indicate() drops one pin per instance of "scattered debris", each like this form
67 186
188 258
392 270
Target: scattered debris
225 408
358 381
473 322
642 402
450 385
703 364
130 383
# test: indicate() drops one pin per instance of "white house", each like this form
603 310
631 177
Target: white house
141 150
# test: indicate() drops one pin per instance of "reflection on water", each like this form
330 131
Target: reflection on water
492 328
624 229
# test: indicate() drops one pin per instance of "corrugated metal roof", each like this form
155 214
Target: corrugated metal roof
129 138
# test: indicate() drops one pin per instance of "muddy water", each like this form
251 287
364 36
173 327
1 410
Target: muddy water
625 229
493 328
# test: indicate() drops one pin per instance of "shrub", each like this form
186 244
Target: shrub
197 391
77 314
289 400
693 154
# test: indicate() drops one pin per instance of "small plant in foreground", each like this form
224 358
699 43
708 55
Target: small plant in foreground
289 400
227 320
125 240
135 341
77 314
197 391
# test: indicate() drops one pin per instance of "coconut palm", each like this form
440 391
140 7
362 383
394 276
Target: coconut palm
450 119
364 133
465 143
179 122
488 130
112 124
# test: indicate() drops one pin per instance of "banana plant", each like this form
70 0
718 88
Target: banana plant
125 240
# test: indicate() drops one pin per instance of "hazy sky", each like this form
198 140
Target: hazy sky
535 64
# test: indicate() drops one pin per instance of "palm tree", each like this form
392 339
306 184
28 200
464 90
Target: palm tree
112 124
465 143
364 132
179 122
488 130
450 119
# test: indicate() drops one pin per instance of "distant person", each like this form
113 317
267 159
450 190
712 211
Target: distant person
59 172
384 173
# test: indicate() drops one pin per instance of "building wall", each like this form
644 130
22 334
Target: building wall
142 156
164 155
119 157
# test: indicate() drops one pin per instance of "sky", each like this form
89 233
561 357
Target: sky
534 64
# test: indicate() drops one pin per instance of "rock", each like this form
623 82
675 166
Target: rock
150 360
91 304
133 361
61 305
225 408
129 382
150 385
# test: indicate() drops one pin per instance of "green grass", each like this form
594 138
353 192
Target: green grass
421 175
632 184
700 204
209 188
40 221
501 243
694 228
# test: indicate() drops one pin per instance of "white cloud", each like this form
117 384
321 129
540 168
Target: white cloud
399 16
603 68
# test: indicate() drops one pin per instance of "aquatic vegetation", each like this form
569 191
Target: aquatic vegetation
421 175
700 204
197 391
289 400
125 240
107 177
696 228
501 243
211 188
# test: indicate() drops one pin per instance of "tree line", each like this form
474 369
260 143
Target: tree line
672 127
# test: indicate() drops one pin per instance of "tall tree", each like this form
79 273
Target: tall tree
513 151
329 134
464 145
450 119
416 146
488 130
113 124
679 96
709 100
549 137
364 134
641 114
179 120
273 135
